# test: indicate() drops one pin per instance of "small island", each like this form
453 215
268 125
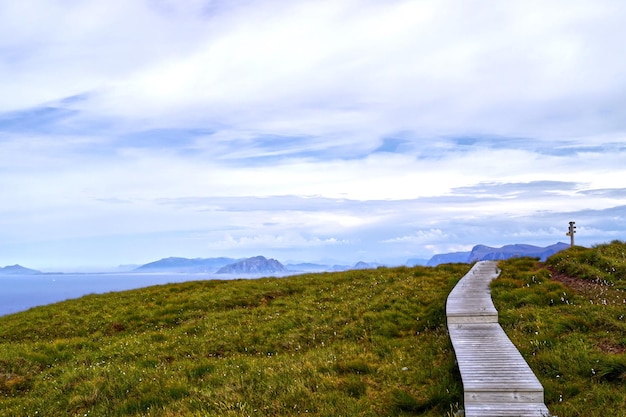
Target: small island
18 270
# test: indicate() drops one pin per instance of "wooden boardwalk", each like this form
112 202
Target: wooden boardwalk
497 381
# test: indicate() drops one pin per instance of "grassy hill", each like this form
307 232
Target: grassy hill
356 343
366 343
567 318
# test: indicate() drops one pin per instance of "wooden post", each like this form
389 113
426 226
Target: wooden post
571 231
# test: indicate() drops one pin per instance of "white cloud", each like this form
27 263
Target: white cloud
272 242
420 237
448 248
334 66
396 115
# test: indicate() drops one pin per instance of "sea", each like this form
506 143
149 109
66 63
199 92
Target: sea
22 292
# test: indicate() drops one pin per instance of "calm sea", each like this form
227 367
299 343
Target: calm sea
21 292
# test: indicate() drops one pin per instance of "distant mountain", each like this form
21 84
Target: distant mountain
449 258
18 270
366 265
362 265
339 268
255 265
174 264
416 262
484 253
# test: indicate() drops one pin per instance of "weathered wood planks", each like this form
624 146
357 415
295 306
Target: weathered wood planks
506 410
470 300
497 381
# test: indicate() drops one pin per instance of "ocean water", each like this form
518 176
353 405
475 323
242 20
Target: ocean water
21 292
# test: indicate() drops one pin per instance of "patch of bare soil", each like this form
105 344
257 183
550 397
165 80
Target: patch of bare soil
581 286
607 346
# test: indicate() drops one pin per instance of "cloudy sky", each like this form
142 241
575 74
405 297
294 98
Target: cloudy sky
324 131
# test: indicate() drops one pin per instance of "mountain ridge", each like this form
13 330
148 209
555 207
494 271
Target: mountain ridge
488 253
187 265
254 265
214 265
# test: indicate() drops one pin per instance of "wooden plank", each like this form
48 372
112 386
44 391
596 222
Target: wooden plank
506 410
497 381
470 300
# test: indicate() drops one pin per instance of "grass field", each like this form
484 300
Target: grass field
356 343
568 320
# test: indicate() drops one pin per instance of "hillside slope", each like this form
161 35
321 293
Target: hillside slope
366 343
568 320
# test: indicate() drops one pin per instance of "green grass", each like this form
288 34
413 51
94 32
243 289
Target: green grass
573 336
604 264
366 343
357 343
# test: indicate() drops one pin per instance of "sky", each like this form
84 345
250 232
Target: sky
328 131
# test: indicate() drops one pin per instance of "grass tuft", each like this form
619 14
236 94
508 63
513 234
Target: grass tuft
611 369
356 366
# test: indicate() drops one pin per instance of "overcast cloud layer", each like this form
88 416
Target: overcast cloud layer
326 131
